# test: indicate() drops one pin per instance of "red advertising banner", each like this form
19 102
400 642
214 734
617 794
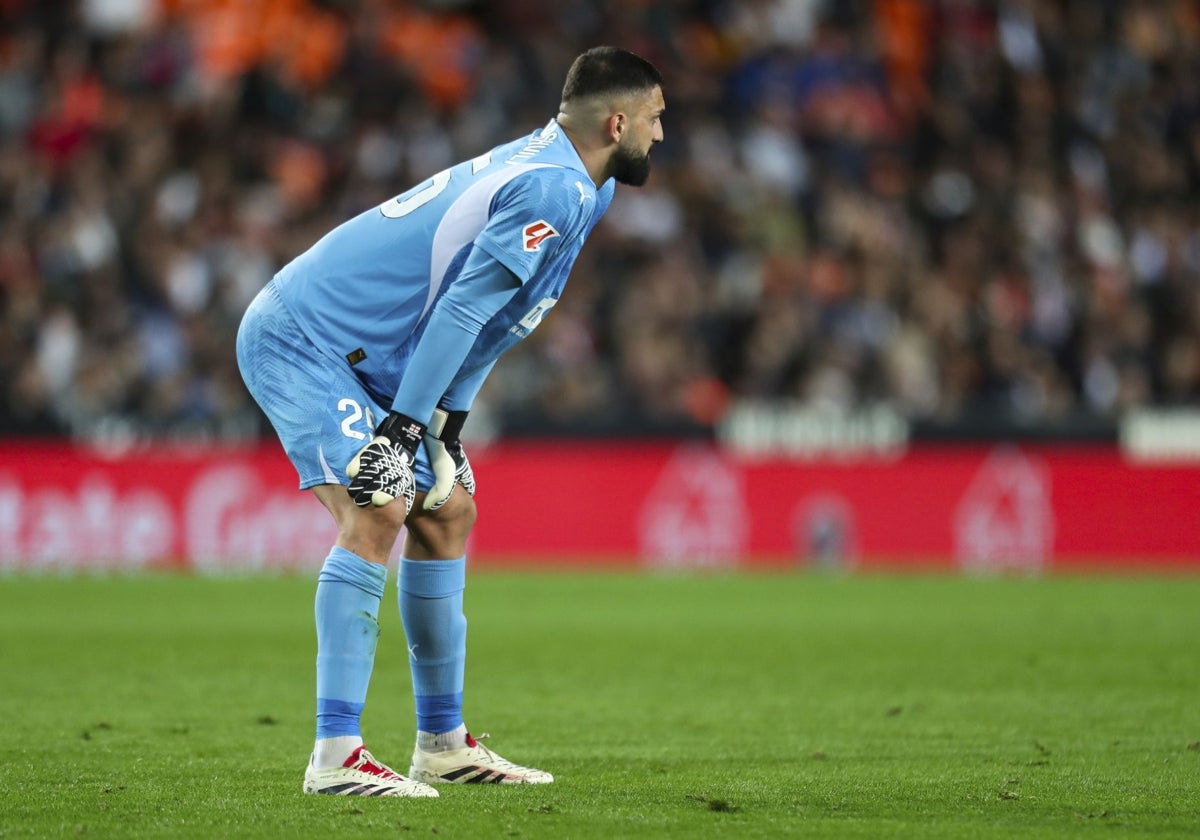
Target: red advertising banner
662 505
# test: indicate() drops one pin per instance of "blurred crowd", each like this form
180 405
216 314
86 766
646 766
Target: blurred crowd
958 208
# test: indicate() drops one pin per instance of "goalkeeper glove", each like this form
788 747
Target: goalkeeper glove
446 456
383 469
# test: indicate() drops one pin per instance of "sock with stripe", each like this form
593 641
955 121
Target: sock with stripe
349 590
431 610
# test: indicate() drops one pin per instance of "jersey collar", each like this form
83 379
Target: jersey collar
574 161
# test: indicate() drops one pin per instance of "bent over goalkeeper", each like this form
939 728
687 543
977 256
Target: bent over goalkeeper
366 352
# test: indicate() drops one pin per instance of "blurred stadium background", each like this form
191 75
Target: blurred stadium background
913 282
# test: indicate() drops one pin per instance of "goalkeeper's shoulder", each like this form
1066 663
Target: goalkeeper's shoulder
560 196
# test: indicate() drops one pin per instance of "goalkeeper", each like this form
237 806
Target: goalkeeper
366 352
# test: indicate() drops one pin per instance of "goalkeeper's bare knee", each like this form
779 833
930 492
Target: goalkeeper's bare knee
369 532
440 534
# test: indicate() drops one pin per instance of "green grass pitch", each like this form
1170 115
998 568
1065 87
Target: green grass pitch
772 705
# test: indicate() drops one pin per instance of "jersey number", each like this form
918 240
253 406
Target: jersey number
354 412
397 208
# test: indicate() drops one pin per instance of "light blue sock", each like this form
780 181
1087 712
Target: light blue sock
347 609
431 609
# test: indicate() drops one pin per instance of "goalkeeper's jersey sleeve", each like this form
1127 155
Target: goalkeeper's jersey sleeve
364 292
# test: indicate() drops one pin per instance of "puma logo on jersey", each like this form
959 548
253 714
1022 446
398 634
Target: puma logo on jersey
583 196
534 235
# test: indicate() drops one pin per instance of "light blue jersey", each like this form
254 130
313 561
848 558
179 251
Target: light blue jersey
363 293
451 273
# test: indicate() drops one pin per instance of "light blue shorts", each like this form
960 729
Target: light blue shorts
321 412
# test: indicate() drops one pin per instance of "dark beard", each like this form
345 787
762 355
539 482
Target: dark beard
629 167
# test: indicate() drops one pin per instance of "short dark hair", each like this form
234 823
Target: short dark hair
607 70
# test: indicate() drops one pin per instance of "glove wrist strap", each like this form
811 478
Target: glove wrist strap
402 430
446 425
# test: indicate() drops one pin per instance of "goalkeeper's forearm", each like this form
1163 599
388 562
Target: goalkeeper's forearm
482 290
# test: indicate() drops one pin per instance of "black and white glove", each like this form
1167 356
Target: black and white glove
450 465
383 469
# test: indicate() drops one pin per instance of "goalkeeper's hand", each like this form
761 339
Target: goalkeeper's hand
383 469
447 457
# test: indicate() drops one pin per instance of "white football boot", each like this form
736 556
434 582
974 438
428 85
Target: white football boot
362 775
472 764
